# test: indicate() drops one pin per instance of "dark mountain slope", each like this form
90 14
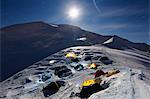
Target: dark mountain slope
24 44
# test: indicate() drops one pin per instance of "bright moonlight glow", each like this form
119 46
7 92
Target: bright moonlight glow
73 13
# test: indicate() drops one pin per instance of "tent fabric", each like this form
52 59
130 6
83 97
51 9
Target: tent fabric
112 72
70 55
88 82
52 88
79 67
93 66
99 73
88 91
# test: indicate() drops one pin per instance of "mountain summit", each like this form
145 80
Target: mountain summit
121 43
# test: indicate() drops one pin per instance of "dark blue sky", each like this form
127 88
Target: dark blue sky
125 18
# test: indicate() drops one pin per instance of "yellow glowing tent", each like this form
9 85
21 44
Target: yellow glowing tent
70 55
93 65
88 82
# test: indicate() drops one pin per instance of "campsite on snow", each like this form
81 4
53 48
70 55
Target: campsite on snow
80 64
113 69
74 49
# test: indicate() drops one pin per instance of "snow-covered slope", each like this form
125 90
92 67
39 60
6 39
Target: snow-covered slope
128 84
132 82
109 41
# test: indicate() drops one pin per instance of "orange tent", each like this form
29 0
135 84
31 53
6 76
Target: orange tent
93 66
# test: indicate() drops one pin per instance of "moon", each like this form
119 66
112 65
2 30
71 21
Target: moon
74 13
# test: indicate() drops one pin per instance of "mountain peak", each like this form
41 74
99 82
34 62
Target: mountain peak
109 41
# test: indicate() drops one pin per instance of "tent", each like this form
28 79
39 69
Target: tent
93 66
85 63
88 83
98 73
52 61
79 67
112 72
91 82
89 87
52 88
70 55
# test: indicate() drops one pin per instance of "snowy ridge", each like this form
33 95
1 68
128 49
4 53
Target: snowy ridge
109 41
81 39
54 25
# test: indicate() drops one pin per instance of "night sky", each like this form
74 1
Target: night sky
125 18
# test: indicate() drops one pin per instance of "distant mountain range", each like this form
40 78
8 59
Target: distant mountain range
25 44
